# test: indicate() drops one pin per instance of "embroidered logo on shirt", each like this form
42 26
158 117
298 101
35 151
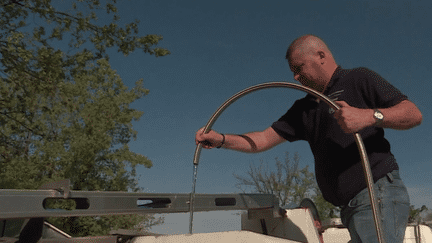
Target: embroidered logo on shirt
334 97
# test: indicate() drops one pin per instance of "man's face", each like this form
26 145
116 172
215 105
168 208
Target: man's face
306 69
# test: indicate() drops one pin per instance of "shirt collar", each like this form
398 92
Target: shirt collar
336 75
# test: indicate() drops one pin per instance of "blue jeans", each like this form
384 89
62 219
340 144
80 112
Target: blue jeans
393 210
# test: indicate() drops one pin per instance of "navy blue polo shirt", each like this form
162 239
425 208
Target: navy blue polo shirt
338 166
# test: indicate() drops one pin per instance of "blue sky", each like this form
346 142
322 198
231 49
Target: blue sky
221 47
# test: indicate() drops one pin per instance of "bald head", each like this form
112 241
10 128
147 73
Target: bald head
307 45
311 61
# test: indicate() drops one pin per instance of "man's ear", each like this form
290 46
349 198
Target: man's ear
322 56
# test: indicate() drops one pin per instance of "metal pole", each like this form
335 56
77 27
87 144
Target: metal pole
359 141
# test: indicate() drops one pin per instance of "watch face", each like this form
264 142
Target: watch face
378 115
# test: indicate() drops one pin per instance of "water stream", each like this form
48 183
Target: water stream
192 197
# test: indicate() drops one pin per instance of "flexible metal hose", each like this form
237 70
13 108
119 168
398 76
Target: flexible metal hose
365 161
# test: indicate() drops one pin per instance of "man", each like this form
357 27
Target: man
368 103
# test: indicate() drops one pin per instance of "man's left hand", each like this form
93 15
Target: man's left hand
353 119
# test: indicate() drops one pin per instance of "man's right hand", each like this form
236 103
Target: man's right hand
208 140
253 142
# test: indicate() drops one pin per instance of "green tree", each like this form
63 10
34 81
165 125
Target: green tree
64 112
289 183
326 210
419 215
413 214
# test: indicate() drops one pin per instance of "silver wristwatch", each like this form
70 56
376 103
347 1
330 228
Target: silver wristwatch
379 117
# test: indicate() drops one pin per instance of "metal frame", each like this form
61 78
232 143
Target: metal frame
30 203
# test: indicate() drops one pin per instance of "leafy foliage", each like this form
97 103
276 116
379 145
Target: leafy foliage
289 183
420 215
64 112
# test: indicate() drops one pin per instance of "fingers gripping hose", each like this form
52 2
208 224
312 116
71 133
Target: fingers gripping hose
359 141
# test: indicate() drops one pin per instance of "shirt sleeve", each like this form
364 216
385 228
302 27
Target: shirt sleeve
379 93
290 125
